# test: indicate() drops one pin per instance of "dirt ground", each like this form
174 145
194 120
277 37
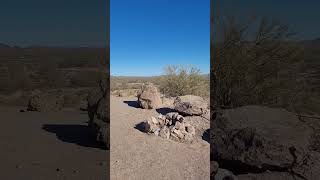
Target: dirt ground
136 155
48 146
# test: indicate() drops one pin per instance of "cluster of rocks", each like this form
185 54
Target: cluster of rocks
46 101
171 126
99 122
254 142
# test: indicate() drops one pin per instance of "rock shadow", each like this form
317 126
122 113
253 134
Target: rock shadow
165 110
206 135
72 133
134 104
140 127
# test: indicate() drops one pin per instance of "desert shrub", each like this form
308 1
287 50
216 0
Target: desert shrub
257 62
181 80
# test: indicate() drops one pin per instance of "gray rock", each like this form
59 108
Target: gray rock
164 132
223 174
190 105
265 138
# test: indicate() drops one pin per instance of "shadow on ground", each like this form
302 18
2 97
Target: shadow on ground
206 135
71 133
140 126
165 110
134 104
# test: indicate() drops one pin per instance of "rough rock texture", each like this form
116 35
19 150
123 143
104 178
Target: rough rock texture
223 174
46 101
190 105
97 112
255 139
149 97
171 126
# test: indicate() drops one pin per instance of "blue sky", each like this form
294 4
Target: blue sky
147 35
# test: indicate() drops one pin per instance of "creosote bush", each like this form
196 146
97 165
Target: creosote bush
182 80
257 63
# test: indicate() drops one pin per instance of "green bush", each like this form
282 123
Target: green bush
182 80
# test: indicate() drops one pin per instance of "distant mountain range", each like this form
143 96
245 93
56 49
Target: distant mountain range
3 45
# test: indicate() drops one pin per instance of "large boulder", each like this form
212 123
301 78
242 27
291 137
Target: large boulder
46 101
258 139
100 124
149 97
190 105
99 121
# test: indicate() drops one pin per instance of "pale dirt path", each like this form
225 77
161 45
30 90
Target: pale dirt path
138 156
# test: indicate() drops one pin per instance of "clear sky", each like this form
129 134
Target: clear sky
301 16
147 35
53 22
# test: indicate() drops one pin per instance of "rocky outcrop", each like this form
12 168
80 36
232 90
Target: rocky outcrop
149 97
190 105
255 140
46 101
172 126
99 121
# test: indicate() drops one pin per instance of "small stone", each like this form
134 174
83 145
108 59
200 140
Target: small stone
180 118
162 122
172 115
154 120
178 133
150 127
179 126
21 110
174 137
164 132
156 132
162 117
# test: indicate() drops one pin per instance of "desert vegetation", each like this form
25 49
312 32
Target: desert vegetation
264 86
260 62
182 80
24 70
177 80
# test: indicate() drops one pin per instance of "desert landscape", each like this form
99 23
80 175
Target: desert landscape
264 102
153 133
54 115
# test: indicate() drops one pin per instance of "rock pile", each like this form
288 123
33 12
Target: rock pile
99 122
171 126
46 101
149 97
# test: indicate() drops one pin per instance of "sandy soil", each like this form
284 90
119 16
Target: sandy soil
45 146
137 156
